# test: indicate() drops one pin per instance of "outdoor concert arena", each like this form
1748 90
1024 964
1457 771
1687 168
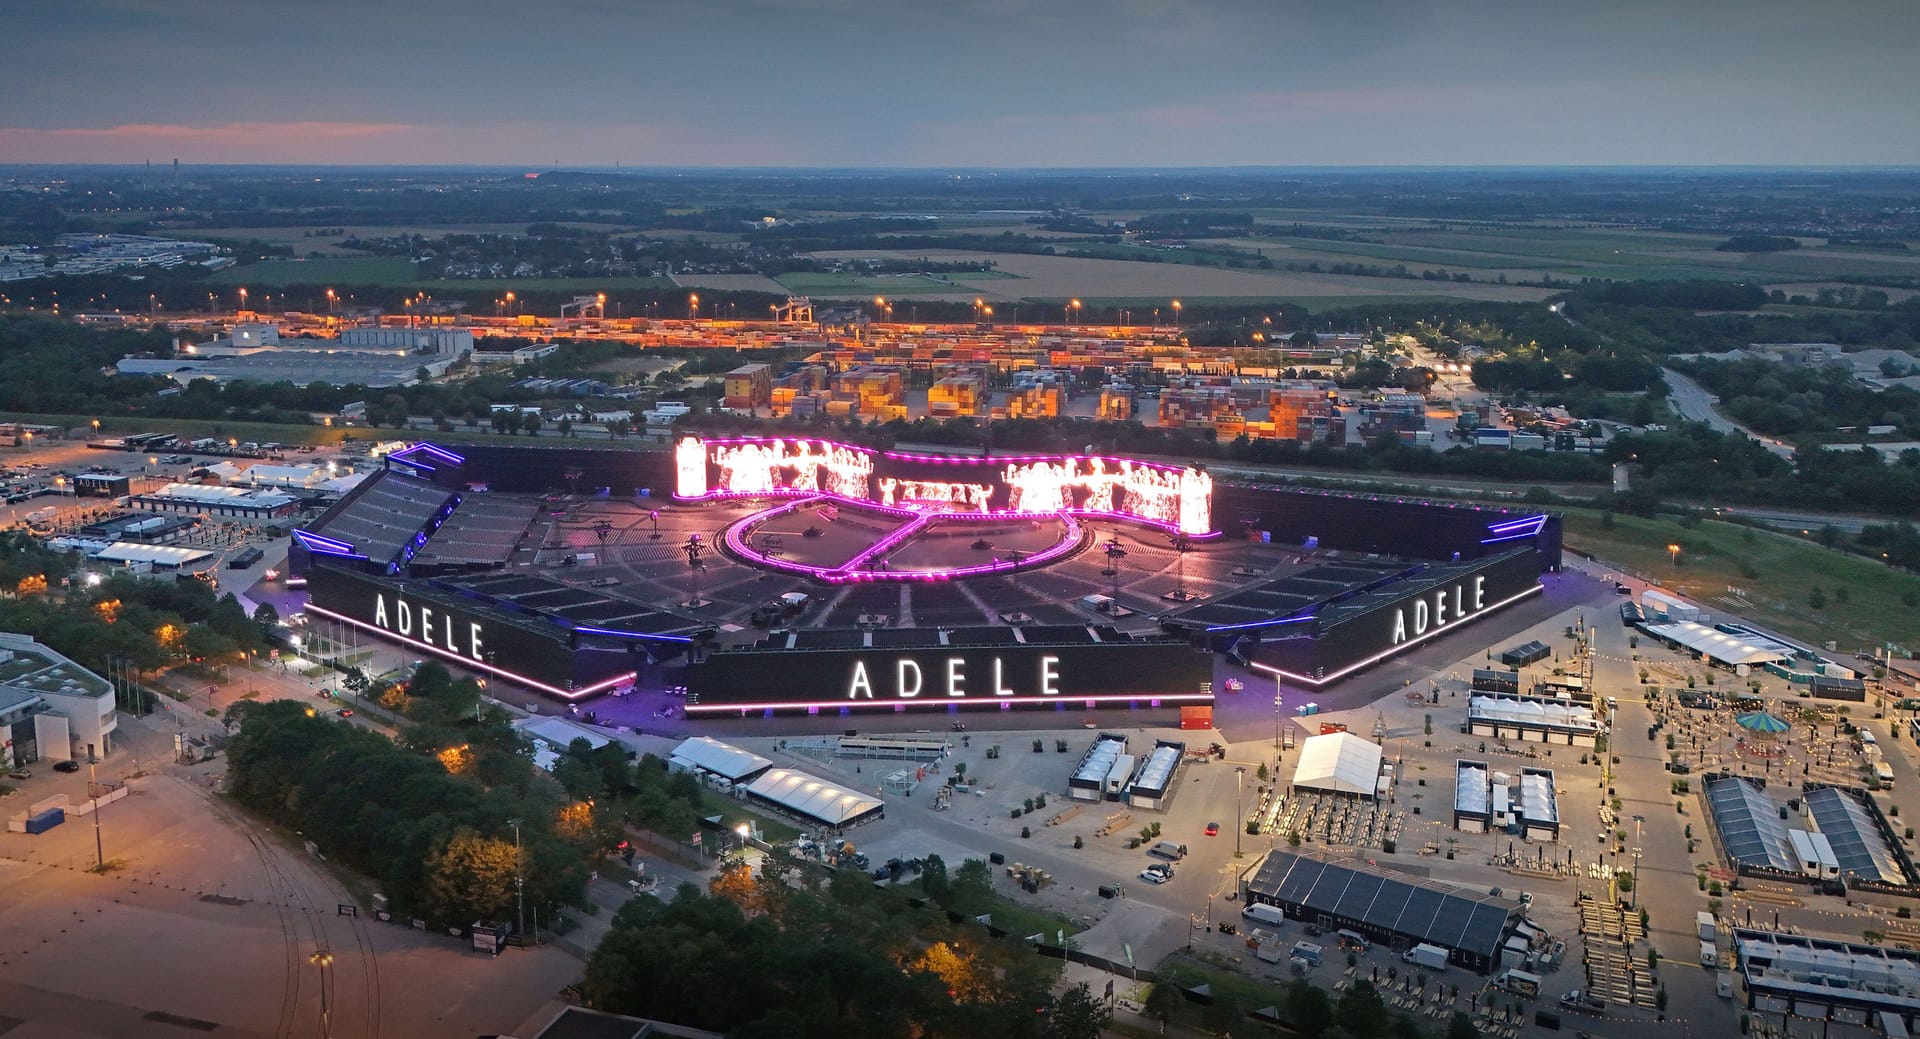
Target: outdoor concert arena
772 575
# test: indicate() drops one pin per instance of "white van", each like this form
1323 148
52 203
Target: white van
1169 850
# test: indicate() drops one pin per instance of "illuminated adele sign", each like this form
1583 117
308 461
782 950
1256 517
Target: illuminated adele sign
935 679
1176 499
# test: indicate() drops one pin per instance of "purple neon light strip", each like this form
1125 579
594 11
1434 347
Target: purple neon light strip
1501 528
1509 537
1378 657
438 452
932 701
564 694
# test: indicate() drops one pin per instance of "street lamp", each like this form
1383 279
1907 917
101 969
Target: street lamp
693 306
324 959
1673 555
1176 312
1239 825
519 880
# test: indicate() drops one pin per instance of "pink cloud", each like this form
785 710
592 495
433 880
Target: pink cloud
223 142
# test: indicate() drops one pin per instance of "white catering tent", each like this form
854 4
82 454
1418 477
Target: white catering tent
1716 645
706 754
811 797
1338 761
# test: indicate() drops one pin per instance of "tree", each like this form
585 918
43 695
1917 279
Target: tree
266 617
972 885
1817 599
531 423
1077 1014
933 881
1162 1000
960 972
1361 1010
735 882
471 878
1308 1008
1460 1026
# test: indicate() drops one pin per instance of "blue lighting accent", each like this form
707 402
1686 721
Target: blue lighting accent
1262 624
631 634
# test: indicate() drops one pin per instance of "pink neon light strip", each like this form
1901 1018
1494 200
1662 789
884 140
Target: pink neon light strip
1378 657
575 694
789 705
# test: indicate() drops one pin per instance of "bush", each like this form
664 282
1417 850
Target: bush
1078 843
1713 888
1025 832
1016 813
1387 846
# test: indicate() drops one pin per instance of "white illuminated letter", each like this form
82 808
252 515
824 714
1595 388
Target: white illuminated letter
1399 626
446 634
473 641
900 679
956 676
1419 616
1479 592
1457 611
1049 676
380 611
405 615
1440 607
862 685
999 686
426 625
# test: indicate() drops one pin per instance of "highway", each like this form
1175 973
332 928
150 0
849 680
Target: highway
1695 404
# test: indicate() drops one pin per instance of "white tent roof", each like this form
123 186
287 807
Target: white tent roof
721 759
1716 644
1338 761
159 555
559 733
813 797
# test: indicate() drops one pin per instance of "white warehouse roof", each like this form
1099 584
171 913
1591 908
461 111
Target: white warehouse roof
158 555
1339 761
722 759
813 797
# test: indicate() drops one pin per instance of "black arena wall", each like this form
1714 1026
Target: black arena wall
1347 636
956 677
464 631
536 468
1423 529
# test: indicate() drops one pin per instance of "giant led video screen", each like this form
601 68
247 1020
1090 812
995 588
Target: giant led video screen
1173 498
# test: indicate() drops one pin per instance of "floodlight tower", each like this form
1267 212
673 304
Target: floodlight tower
694 548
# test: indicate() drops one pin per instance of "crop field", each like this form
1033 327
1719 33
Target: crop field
1529 251
1775 574
729 282
392 271
302 241
1065 277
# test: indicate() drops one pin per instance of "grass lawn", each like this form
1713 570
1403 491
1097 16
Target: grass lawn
338 270
1774 573
774 830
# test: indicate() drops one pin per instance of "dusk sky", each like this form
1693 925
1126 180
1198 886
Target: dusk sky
962 82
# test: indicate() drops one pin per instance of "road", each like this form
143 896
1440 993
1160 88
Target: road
1695 404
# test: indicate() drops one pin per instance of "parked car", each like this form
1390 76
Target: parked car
1213 829
1152 877
345 712
20 773
66 766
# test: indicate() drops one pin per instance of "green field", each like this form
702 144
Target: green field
395 272
339 270
867 284
1784 570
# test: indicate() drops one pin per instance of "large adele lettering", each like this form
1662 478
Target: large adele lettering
910 679
416 621
1438 610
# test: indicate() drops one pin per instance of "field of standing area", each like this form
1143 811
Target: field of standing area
1861 603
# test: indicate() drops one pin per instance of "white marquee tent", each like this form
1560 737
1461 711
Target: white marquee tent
1338 761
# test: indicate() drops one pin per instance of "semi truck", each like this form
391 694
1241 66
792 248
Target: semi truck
1520 983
